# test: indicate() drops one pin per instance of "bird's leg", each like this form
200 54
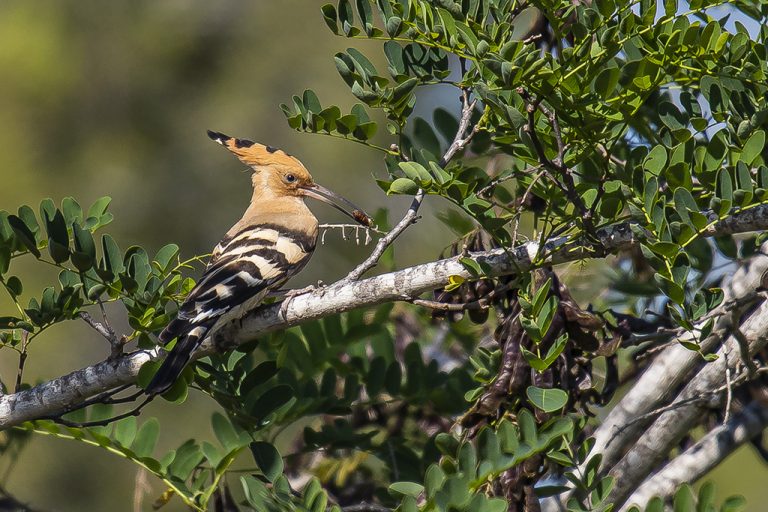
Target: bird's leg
284 293
288 295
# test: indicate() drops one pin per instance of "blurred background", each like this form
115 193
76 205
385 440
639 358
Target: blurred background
114 99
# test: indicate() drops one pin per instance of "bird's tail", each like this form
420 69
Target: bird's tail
176 360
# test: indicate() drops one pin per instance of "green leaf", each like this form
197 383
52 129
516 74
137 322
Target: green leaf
99 207
684 205
366 15
258 376
178 391
393 379
363 66
311 102
270 401
416 172
58 239
445 123
425 137
329 15
406 489
753 147
125 431
225 432
5 258
404 89
734 504
403 186
364 131
684 500
24 234
724 188
268 459
84 253
433 480
656 160
112 257
188 456
606 81
73 212
671 116
146 438
394 25
547 399
165 256
14 286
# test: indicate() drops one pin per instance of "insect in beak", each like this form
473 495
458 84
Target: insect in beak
321 193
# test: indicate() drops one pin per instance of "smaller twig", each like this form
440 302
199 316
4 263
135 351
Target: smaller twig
616 160
115 342
355 227
105 398
552 118
743 343
499 180
395 470
371 261
460 141
445 306
98 327
22 359
558 164
524 198
100 423
483 192
112 336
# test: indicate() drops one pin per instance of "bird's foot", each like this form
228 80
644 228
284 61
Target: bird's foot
289 295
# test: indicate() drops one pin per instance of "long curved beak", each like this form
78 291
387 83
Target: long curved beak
345 206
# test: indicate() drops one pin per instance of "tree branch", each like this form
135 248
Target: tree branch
654 389
57 395
703 456
650 449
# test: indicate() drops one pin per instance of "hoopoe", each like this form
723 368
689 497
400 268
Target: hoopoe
271 242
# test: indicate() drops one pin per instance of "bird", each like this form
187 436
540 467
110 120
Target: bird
273 241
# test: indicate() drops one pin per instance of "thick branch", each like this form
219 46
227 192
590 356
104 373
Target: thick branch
700 458
54 396
654 389
657 441
669 371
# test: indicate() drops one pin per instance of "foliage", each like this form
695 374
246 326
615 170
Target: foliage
576 116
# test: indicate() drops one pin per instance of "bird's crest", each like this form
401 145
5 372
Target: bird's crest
254 154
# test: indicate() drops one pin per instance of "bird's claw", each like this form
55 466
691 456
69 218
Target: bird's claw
289 295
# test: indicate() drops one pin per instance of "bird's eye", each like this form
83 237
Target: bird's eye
290 178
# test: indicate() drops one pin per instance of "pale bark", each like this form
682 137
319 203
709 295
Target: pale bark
58 395
671 368
703 456
654 445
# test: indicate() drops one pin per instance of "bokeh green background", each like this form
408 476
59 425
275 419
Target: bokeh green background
113 98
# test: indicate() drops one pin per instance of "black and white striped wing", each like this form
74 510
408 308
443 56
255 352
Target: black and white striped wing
242 270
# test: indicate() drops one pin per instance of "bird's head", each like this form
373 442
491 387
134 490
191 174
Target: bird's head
278 174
